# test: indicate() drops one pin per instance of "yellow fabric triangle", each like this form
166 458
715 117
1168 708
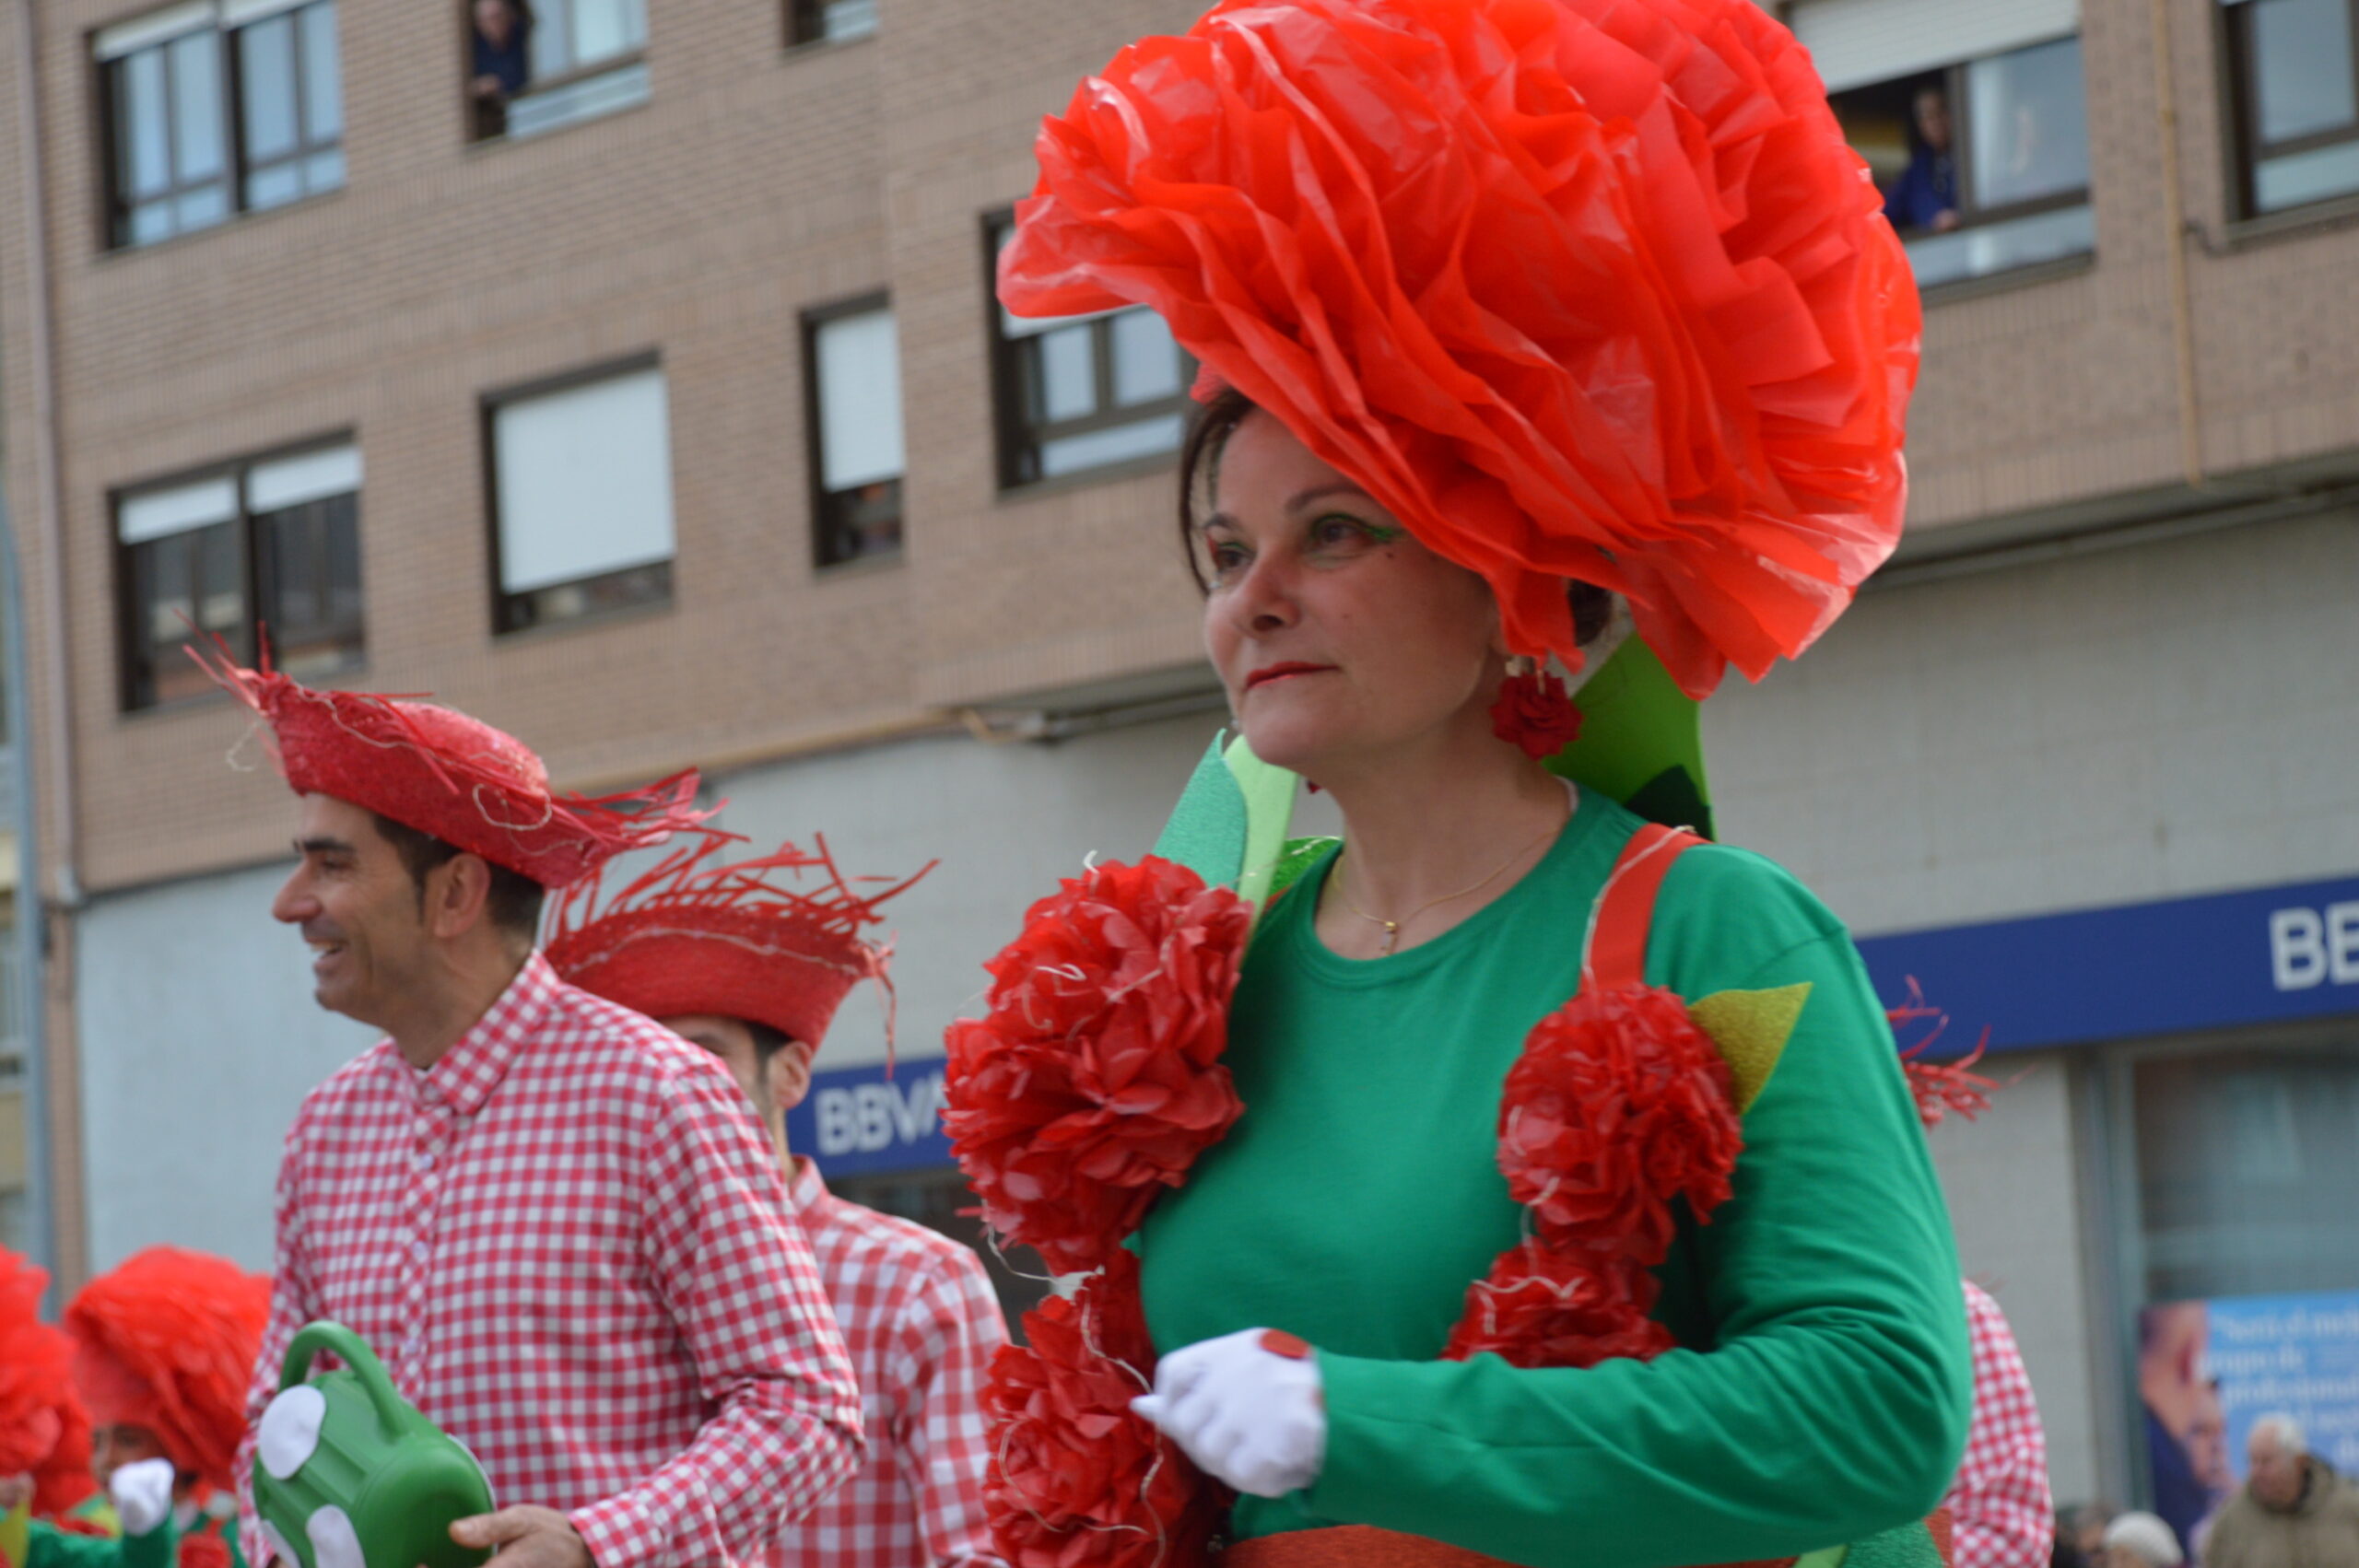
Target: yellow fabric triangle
1751 1029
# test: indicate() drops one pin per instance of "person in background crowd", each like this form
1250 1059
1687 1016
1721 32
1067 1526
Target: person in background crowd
2294 1511
2142 1540
547 1215
501 35
753 971
2080 1535
1924 199
164 1345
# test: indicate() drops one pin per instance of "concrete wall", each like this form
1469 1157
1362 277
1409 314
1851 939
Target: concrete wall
2170 719
1007 822
199 1038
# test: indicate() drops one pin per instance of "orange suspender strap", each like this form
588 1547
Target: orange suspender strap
1625 909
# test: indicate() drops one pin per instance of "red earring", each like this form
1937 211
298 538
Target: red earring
1534 711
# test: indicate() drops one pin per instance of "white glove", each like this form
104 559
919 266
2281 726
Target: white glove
1247 1408
143 1494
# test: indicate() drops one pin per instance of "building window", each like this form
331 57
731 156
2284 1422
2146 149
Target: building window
270 547
582 490
1082 392
828 21
854 389
2297 79
218 107
536 67
1973 120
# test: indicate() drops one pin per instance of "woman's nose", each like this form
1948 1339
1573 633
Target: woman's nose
1265 601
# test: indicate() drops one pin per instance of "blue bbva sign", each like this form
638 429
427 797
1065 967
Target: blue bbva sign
856 1121
2263 956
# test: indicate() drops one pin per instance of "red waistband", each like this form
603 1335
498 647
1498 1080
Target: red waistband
1361 1546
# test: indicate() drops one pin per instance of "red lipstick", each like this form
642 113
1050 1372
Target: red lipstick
1279 671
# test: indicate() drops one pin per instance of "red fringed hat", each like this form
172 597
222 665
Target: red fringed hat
440 772
724 940
167 1340
1576 288
44 1431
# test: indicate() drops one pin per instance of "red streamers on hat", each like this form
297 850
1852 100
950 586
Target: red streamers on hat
1576 288
167 1340
1940 1088
44 1431
439 771
730 940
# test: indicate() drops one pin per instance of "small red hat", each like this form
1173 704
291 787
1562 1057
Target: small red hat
439 771
167 1340
44 1431
724 940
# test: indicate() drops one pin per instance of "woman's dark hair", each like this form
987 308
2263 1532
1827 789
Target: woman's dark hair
1208 433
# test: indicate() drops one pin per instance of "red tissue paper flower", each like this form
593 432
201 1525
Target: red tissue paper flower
1077 1478
1535 712
203 1551
1545 1306
1094 1081
1585 288
1618 1104
43 1429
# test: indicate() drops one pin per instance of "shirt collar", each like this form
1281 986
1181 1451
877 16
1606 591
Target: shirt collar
467 1073
807 1189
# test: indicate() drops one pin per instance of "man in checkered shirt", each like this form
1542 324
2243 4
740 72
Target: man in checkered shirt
751 961
2000 1505
547 1215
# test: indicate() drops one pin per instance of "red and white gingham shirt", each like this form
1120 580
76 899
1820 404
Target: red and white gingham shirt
571 1248
1999 1503
918 1314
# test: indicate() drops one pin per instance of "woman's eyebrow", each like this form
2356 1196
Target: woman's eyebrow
1321 492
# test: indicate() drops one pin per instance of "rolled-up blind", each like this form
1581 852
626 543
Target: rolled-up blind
860 399
584 481
159 514
1856 42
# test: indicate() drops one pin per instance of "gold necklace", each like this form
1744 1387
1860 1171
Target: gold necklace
1393 928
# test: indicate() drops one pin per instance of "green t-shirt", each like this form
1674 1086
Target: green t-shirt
1821 1390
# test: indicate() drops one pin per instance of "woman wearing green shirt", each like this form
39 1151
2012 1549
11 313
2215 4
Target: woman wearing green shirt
1533 330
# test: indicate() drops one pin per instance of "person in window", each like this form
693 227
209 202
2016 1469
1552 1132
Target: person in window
1508 358
1924 198
502 31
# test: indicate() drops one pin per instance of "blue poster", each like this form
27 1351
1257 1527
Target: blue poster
2298 1355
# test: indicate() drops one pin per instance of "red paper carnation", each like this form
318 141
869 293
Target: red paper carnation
43 1431
1076 1477
1094 1081
1618 1104
1544 1306
204 1551
1588 288
1536 713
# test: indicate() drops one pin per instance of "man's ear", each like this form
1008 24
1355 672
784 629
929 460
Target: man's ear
458 896
790 1073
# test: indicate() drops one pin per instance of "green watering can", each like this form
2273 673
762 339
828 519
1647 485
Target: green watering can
348 1474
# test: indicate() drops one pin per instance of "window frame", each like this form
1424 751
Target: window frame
499 127
826 506
2248 151
131 646
115 226
807 23
1018 442
304 149
505 620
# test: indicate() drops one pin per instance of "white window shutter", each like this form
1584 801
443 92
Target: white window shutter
584 481
1857 43
860 400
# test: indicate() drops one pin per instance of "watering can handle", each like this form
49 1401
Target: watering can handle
353 1351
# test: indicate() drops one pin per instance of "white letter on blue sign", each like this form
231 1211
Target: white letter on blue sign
2342 942
2296 949
838 1120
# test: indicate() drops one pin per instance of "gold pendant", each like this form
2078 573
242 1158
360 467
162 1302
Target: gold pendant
1392 938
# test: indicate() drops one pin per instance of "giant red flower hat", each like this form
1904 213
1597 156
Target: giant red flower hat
732 940
443 773
44 1431
1576 288
167 1340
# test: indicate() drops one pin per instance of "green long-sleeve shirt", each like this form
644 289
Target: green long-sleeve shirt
1821 1390
50 1547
